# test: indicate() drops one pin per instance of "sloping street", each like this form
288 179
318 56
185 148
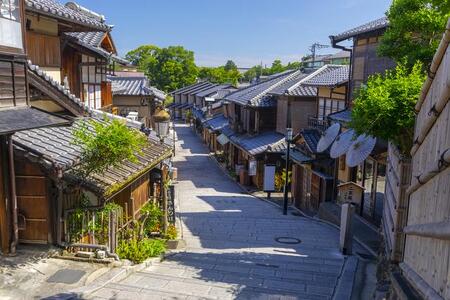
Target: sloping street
232 248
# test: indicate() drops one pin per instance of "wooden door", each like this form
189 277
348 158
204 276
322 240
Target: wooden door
315 191
32 202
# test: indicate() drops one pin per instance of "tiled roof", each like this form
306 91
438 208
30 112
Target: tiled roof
134 86
228 131
299 157
220 94
55 147
198 89
188 87
53 8
258 94
293 86
15 119
92 41
328 75
64 97
212 90
197 113
257 144
216 123
311 137
367 27
344 116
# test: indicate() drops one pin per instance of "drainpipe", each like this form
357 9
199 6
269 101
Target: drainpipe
59 200
350 69
12 179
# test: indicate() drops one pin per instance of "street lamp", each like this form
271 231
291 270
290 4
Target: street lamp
289 139
162 123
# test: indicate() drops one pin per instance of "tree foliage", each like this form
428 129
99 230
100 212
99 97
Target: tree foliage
220 75
107 145
415 30
384 107
230 66
167 68
276 67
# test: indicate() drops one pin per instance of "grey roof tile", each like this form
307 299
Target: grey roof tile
329 76
189 87
344 116
259 94
311 137
212 90
257 144
134 86
57 10
55 146
293 87
367 27
216 123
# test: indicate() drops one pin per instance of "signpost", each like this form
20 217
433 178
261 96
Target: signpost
269 179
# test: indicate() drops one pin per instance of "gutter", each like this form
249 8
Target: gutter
335 45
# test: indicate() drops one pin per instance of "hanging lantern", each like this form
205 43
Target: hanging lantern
162 123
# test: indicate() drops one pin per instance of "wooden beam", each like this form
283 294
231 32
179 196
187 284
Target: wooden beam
439 230
4 228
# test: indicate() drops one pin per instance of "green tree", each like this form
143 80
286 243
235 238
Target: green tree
170 68
219 75
110 143
384 107
140 54
230 66
277 67
415 30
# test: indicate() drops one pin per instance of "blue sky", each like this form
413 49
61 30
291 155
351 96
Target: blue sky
247 31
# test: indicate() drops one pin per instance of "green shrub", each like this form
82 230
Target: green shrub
138 251
171 232
151 217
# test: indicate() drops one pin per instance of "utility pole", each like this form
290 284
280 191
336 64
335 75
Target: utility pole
314 47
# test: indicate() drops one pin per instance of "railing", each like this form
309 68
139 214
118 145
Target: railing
317 123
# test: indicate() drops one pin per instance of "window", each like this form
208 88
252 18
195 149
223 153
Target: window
329 106
10 26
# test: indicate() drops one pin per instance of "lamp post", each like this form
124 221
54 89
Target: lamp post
162 124
286 178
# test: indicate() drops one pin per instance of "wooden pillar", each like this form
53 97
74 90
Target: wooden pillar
165 179
4 228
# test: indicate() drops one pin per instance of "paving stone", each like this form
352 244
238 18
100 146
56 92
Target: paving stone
231 250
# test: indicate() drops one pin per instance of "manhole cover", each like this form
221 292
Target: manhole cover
67 276
287 240
267 265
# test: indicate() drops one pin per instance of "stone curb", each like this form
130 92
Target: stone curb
114 275
346 280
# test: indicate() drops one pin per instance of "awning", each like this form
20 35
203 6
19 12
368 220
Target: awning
223 139
298 157
25 118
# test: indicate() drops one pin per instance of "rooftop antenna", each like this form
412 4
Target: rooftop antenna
314 47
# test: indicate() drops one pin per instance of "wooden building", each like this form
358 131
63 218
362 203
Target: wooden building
45 177
423 271
15 114
181 103
254 140
71 45
134 94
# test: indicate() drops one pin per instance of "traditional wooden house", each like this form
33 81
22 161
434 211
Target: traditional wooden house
252 135
304 104
181 102
423 272
15 114
213 94
72 45
340 58
46 161
134 94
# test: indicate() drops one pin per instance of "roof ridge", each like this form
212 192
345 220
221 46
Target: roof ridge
276 84
305 78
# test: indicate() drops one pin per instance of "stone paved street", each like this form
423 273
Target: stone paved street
232 250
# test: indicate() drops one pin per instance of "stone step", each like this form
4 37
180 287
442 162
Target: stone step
244 263
228 273
222 289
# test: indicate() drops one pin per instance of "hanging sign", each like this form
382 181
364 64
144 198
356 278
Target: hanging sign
252 164
269 178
